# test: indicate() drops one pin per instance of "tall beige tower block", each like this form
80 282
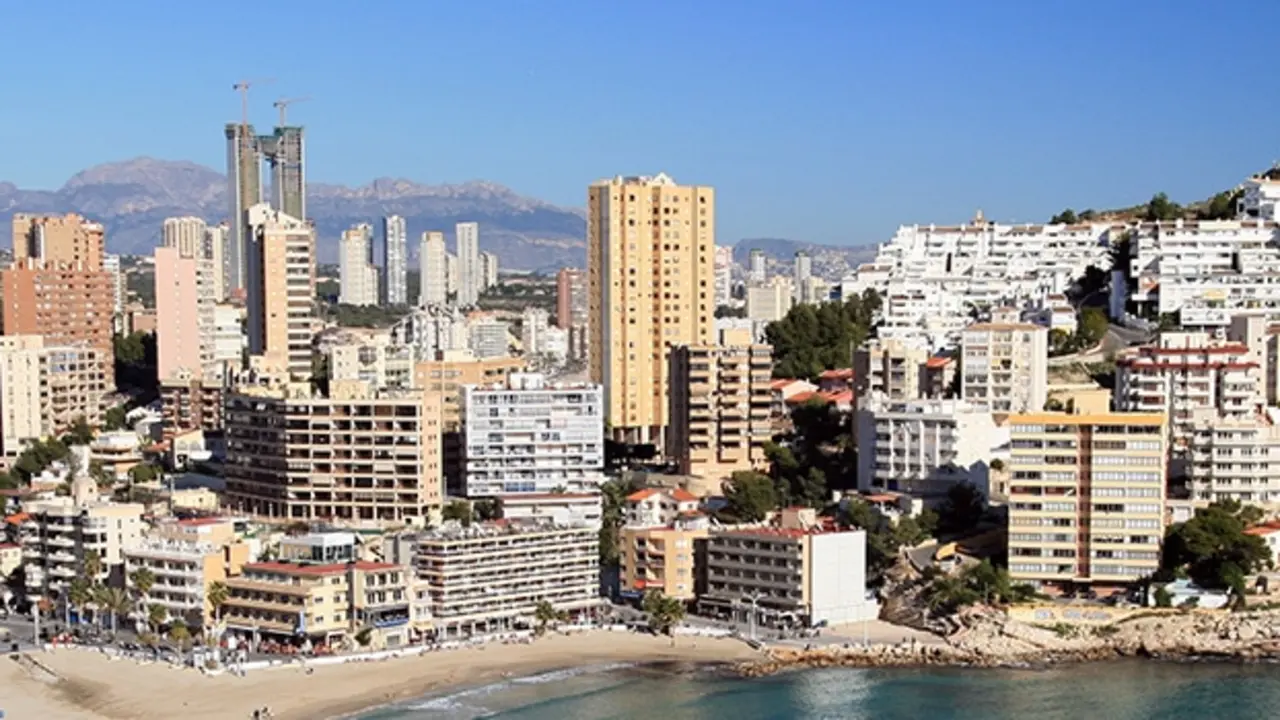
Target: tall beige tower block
651 281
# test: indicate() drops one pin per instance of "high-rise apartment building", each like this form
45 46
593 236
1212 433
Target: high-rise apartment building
572 306
1087 498
900 370
801 271
771 300
651 264
489 337
1004 366
531 436
244 190
358 278
720 398
488 271
215 251
382 366
431 330
180 337
395 258
534 324
186 234
294 454
724 274
451 284
57 286
57 533
433 287
281 290
285 151
119 285
756 270
66 241
45 389
468 248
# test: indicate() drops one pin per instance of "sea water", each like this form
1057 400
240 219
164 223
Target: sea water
1126 690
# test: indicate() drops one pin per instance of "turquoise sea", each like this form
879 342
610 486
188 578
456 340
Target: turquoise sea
1126 690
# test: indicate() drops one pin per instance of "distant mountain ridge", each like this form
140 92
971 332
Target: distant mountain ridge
133 197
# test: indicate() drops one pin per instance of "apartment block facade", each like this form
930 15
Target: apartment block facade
280 291
720 400
358 276
382 366
189 403
572 305
484 578
57 534
186 557
1235 459
358 456
45 390
395 259
1086 497
651 284
1004 366
467 241
434 282
532 436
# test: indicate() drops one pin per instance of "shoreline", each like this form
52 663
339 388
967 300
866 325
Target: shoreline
93 685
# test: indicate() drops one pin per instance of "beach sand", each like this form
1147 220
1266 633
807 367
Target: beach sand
94 686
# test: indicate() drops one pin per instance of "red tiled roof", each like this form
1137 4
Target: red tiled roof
300 569
678 494
837 374
1264 529
780 383
196 522
839 398
18 518
937 361
9 546
802 397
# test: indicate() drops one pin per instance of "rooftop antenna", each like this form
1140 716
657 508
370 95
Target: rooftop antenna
283 106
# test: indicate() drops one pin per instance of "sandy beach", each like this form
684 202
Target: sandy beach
94 686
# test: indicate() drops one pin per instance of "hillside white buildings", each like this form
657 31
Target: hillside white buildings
1003 366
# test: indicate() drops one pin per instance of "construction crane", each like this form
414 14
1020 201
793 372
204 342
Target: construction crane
242 87
283 106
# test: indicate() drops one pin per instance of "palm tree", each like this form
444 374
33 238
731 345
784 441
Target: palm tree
217 595
665 613
92 569
79 594
114 601
156 617
545 613
179 635
142 581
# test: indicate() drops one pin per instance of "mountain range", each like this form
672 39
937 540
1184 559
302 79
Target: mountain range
133 197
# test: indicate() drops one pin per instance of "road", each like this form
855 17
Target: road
1118 337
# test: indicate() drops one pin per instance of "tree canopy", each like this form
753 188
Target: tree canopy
1214 550
751 495
980 583
814 338
1160 207
962 510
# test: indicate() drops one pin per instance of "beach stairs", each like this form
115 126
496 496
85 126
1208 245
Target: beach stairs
36 669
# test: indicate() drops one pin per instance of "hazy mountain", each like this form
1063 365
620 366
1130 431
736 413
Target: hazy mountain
132 198
830 261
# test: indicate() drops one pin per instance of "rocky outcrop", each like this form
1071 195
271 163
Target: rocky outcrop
991 639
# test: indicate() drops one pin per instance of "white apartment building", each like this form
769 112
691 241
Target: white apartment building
801 271
756 268
489 337
1235 458
533 330
45 390
434 271
925 447
358 276
395 251
799 572
1186 372
111 264
724 274
532 436
659 507
1259 199
555 508
485 578
228 336
771 300
899 369
467 237
1004 366
382 366
57 533
488 270
215 251
432 330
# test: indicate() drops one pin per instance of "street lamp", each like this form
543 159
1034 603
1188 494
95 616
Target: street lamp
754 599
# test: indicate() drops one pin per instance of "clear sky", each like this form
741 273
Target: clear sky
830 121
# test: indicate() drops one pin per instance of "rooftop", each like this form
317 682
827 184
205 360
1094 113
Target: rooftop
677 494
285 568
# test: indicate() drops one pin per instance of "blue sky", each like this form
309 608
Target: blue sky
830 121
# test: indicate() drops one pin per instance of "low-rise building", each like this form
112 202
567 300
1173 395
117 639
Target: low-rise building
337 605
652 507
191 404
490 577
798 573
666 558
185 558
117 452
1234 459
555 508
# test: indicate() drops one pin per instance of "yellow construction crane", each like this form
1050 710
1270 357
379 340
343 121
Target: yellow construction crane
283 106
242 87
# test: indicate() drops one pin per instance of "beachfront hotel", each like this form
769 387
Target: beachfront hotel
664 557
1086 497
357 456
326 604
798 572
186 557
490 577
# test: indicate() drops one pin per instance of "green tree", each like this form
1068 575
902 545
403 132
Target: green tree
459 510
157 615
1214 550
665 613
143 473
179 635
142 580
1221 206
1088 215
814 338
544 613
114 601
1163 598
728 311
80 432
1092 326
613 515
7 481
962 510
80 594
115 418
217 595
1162 208
980 583
751 495
1066 217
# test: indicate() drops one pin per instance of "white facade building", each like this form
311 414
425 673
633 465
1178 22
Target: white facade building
383 366
431 330
801 271
924 447
395 258
533 330
358 277
1235 459
488 270
531 436
489 337
724 274
433 267
1004 366
468 247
